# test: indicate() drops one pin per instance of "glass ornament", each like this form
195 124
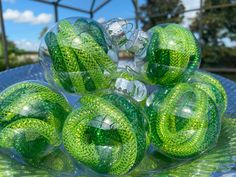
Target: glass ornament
184 120
108 133
118 30
166 54
134 88
31 118
126 84
78 56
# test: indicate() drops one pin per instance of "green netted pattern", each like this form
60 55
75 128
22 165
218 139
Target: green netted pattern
212 87
221 158
79 58
94 29
31 128
184 121
108 134
172 54
31 118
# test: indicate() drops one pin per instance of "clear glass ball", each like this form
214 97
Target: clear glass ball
77 56
170 56
184 120
32 116
108 133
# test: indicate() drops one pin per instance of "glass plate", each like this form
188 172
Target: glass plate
220 161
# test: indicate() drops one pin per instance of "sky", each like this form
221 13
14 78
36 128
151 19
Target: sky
25 19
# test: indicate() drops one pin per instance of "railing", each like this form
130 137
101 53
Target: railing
93 10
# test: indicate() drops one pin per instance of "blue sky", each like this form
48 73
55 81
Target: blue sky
24 19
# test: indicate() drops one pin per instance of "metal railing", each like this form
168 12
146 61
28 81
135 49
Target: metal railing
92 10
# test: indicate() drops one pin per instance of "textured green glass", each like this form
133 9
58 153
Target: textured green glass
172 54
108 134
94 29
79 59
31 118
184 121
212 87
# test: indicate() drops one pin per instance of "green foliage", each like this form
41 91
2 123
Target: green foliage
1 50
217 25
1 54
155 12
13 52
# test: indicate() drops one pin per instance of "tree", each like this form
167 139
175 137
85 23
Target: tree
1 49
218 25
13 51
155 12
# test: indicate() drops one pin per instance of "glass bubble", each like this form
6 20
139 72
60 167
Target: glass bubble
166 54
31 118
109 133
184 120
78 56
118 30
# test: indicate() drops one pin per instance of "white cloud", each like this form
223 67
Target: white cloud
228 42
189 16
26 16
27 45
101 20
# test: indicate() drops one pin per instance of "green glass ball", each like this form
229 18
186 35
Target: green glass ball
184 120
75 56
31 117
108 133
173 53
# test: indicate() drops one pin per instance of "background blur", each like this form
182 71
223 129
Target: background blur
213 22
